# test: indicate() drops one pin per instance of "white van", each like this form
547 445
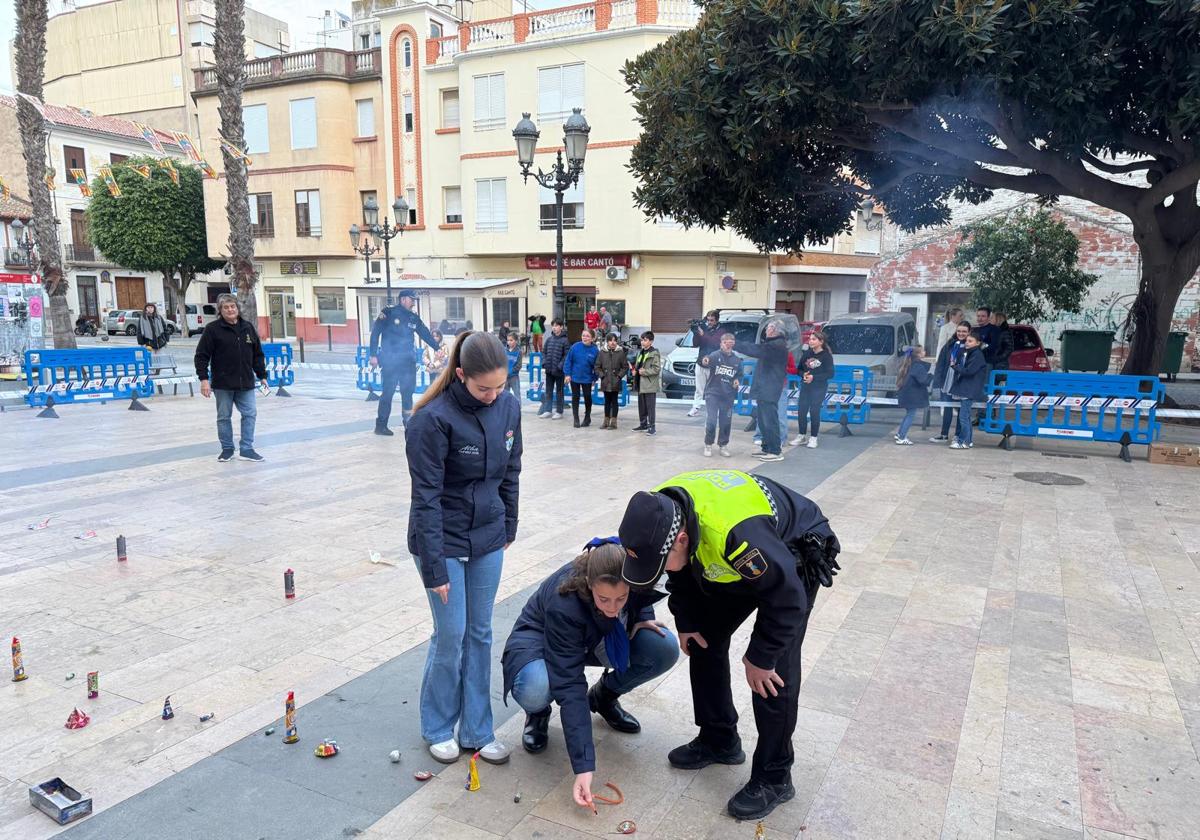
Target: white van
199 315
875 340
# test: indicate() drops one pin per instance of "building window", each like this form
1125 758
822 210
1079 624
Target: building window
366 117
491 205
825 247
456 308
868 234
364 41
450 114
262 214
616 308
572 207
115 158
559 90
73 159
308 213
376 38
200 34
858 301
363 196
410 196
489 102
254 121
331 306
304 123
452 201
820 306
506 309
408 113
435 29
406 46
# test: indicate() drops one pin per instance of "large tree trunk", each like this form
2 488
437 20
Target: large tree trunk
31 62
229 55
1165 271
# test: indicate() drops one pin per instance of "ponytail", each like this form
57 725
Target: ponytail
476 353
905 366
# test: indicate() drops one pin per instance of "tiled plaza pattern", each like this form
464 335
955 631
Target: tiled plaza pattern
997 659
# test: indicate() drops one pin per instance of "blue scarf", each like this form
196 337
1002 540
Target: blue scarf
616 641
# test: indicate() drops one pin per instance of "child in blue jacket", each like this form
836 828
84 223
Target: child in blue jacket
514 366
914 378
970 379
579 370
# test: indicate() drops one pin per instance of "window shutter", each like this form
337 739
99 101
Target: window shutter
549 92
252 203
483 89
496 100
453 201
314 210
450 115
572 87
499 205
483 205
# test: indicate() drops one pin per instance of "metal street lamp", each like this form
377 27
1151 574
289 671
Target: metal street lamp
381 235
23 240
560 178
364 247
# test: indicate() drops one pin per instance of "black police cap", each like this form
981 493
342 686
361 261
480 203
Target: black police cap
648 530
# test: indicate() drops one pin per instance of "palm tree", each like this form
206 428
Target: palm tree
230 57
31 64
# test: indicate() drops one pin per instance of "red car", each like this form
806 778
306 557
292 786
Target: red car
1028 352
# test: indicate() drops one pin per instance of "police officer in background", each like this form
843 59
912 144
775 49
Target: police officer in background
393 343
732 543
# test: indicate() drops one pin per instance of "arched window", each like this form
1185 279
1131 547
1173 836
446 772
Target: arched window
407 47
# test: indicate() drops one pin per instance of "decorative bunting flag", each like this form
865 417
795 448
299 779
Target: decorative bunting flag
80 178
151 137
142 169
5 192
109 181
166 164
185 143
234 151
49 178
208 170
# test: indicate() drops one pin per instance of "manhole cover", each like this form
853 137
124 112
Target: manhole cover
1051 478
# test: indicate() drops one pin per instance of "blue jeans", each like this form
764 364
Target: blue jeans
720 418
244 400
783 419
768 422
456 685
965 427
910 415
649 656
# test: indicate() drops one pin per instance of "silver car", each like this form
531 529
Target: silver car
126 321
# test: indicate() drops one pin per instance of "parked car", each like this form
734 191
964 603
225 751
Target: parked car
679 369
875 340
126 321
198 315
1028 352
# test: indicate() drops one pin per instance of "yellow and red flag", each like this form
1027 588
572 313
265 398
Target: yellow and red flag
80 178
234 151
5 192
109 181
185 143
151 137
49 178
166 164
208 170
142 169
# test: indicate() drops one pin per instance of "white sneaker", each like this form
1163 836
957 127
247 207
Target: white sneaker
767 458
695 412
812 443
707 451
799 440
556 415
447 752
495 753
903 442
544 414
725 452
938 439
957 445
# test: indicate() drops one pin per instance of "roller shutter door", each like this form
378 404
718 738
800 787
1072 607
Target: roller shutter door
671 307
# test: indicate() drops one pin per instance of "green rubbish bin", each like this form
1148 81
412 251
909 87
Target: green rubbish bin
1085 350
1172 358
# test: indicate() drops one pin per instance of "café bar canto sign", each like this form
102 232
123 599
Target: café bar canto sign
579 261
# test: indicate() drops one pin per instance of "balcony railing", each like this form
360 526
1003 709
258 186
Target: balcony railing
84 254
318 63
16 258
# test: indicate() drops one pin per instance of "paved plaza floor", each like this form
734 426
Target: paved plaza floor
999 658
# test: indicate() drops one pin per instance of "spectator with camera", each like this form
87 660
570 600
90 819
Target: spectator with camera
706 335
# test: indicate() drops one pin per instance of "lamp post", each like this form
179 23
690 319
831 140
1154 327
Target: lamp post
560 178
381 235
23 240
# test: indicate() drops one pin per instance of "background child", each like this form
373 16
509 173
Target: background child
720 390
611 365
647 370
514 366
970 378
914 378
816 369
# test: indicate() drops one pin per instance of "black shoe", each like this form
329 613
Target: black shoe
250 455
535 738
751 426
587 420
651 431
226 455
576 422
696 754
384 430
641 427
603 702
757 799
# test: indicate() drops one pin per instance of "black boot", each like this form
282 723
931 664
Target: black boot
587 417
382 429
757 799
535 737
696 754
603 702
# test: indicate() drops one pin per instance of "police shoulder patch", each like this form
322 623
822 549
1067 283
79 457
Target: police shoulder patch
751 565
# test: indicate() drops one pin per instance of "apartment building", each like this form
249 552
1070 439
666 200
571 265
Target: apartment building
135 58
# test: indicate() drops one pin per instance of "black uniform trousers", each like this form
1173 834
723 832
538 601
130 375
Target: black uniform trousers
712 694
396 372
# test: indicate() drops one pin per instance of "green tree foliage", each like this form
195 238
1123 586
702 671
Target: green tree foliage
153 225
1023 265
778 117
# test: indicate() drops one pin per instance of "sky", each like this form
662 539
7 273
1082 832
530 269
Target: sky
302 17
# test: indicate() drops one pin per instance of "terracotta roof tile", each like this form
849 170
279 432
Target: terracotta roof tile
76 118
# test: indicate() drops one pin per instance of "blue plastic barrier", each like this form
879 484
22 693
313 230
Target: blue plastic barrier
371 379
845 399
622 395
89 375
280 372
1075 406
536 392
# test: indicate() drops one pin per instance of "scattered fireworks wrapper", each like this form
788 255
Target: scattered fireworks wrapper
86 535
394 756
290 733
18 664
473 774
168 712
270 730
77 720
37 526
206 718
80 179
167 164
93 684
629 827
326 749
422 775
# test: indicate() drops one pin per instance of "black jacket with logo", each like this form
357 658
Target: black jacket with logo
464 460
724 373
395 331
234 354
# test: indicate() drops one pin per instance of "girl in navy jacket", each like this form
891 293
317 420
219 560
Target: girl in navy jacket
970 379
914 378
464 462
579 368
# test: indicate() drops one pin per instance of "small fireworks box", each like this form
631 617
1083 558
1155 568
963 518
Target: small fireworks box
59 801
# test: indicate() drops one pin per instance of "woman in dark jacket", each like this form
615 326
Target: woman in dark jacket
816 369
770 378
611 367
152 329
914 378
584 614
464 462
579 372
943 375
970 379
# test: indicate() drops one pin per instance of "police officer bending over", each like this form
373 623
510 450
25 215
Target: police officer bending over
397 328
732 543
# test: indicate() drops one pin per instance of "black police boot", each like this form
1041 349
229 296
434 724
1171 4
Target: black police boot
535 737
696 754
603 702
757 799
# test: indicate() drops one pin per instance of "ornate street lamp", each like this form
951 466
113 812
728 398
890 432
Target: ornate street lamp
560 178
23 240
381 235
